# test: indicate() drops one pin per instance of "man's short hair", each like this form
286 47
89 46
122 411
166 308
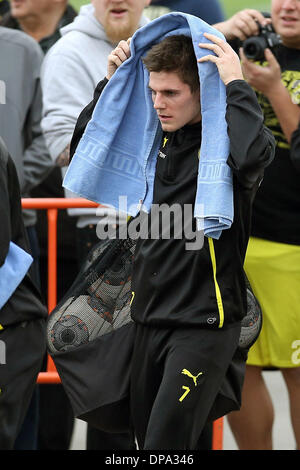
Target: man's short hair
175 54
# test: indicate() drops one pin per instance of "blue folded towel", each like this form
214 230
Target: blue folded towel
12 272
117 153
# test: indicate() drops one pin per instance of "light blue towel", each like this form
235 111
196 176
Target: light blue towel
12 272
117 153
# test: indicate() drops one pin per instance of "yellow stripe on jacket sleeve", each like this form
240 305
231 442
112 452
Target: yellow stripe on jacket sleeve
217 288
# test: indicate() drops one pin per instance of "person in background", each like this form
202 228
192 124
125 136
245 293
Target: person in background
21 100
70 73
22 312
4 7
273 256
20 123
42 20
211 12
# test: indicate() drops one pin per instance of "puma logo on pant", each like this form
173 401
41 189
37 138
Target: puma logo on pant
187 389
194 377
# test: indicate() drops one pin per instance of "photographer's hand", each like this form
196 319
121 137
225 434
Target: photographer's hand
242 25
226 59
117 57
267 80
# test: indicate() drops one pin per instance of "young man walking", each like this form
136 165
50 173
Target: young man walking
187 303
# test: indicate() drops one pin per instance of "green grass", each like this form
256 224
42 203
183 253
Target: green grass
77 3
230 6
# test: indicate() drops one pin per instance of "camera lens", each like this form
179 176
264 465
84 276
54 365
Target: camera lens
251 51
254 48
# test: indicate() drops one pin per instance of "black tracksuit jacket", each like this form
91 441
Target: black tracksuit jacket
25 303
205 287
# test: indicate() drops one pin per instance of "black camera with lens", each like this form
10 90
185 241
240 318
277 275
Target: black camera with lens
254 46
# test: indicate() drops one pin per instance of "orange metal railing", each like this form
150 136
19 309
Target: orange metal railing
217 436
52 205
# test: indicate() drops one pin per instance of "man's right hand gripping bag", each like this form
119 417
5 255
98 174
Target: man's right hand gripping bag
90 336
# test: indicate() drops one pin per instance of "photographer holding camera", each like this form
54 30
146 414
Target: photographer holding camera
273 256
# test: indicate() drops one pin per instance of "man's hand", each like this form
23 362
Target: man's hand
117 57
63 158
265 79
226 59
242 25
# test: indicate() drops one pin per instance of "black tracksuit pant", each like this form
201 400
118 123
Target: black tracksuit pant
176 377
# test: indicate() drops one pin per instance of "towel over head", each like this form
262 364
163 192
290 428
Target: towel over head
117 153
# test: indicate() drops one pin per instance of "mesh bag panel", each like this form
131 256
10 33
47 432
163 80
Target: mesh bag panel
98 302
252 323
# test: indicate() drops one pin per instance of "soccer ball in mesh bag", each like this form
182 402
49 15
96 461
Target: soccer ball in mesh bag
68 332
77 322
251 323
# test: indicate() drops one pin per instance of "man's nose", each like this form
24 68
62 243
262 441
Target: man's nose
117 2
158 102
